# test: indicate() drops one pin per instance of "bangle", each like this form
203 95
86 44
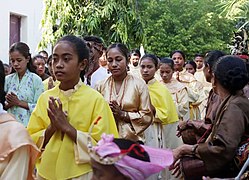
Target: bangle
193 149
125 116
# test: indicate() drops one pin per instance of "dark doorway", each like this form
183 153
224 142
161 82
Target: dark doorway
15 25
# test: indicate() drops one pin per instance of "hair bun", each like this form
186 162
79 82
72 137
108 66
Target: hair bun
231 73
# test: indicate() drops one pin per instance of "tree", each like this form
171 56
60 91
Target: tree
188 25
234 9
113 20
239 11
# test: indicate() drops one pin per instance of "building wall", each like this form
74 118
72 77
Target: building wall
31 13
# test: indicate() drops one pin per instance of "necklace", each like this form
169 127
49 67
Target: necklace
122 96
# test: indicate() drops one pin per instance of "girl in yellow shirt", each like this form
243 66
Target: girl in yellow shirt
63 115
162 132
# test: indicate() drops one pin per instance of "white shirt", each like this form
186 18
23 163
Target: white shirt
100 74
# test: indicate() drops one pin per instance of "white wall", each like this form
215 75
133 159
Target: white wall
31 12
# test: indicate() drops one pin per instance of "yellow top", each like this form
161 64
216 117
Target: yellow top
46 81
162 100
60 159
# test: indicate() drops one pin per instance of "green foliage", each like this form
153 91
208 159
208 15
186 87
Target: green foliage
194 26
235 9
187 25
113 20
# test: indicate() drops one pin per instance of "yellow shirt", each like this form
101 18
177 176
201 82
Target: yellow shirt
45 82
59 160
162 100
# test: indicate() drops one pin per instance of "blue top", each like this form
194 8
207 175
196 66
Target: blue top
27 89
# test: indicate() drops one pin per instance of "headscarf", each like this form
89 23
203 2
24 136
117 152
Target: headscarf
130 158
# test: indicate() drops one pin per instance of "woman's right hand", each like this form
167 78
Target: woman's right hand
175 166
183 150
12 99
180 151
116 110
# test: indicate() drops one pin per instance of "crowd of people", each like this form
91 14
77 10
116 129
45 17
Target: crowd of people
93 112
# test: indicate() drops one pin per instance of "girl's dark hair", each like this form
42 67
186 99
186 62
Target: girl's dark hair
178 51
23 49
80 48
152 57
136 150
38 56
168 61
93 39
122 49
231 73
44 52
135 52
199 55
191 63
2 81
212 56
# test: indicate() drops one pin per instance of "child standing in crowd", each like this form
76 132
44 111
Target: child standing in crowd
64 114
195 90
190 67
177 89
39 64
162 132
22 87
